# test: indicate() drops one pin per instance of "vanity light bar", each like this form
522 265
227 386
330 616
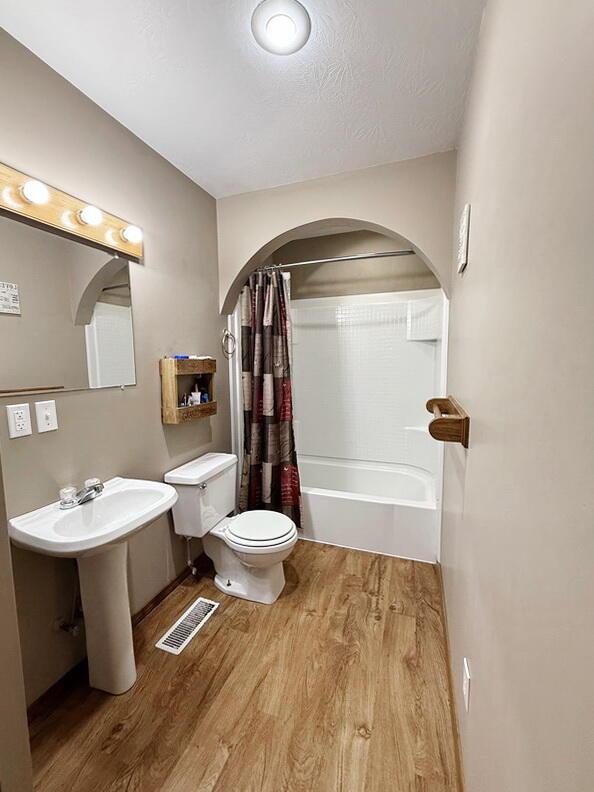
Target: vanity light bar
47 206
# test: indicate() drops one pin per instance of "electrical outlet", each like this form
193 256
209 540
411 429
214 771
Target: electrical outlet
47 418
466 683
19 420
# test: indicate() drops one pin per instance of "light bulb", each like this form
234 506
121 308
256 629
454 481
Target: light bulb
132 234
90 215
281 29
35 192
68 219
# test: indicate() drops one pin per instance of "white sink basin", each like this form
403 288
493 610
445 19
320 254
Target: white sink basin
95 533
124 506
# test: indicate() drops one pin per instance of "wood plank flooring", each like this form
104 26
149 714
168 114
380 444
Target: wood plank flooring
342 684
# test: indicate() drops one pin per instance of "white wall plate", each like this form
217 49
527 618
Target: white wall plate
47 418
19 420
463 238
466 677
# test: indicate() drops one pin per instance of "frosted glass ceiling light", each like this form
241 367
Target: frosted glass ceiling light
281 26
281 29
90 215
35 192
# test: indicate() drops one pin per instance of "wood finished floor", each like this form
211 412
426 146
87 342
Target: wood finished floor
341 685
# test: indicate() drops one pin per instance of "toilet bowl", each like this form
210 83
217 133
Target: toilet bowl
247 567
247 550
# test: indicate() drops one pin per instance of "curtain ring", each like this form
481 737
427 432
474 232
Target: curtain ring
229 343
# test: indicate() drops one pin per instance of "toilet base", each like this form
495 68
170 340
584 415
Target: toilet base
257 584
265 594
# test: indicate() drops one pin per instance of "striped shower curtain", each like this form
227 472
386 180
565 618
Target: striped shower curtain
270 477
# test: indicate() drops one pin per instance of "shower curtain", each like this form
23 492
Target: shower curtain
270 478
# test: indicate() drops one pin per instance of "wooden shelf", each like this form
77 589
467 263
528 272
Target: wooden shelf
181 415
170 366
171 370
450 423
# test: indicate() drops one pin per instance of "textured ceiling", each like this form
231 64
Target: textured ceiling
378 81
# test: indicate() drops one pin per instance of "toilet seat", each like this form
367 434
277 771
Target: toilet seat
260 527
256 549
260 531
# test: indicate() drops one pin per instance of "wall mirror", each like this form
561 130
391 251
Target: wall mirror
65 313
65 296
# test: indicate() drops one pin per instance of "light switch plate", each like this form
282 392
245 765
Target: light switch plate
19 420
47 418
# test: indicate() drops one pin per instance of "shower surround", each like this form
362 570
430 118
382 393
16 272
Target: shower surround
364 367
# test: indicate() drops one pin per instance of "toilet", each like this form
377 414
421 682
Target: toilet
247 550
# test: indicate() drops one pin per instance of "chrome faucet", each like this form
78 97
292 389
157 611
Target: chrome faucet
69 497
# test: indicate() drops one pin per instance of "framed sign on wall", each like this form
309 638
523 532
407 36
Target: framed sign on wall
10 302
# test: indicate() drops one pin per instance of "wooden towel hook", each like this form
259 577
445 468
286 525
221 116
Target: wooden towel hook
450 422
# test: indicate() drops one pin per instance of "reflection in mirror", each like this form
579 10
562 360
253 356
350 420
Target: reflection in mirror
65 313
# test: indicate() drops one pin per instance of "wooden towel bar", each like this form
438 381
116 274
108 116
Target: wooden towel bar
450 422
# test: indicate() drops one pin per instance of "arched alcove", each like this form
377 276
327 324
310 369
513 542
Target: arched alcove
87 283
323 227
414 199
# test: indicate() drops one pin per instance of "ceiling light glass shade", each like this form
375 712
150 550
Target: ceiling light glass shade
90 215
35 192
282 29
132 234
281 26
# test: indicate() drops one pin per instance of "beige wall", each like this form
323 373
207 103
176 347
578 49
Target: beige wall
53 132
15 760
518 532
363 276
412 198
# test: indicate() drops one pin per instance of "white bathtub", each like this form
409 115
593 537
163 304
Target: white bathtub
381 508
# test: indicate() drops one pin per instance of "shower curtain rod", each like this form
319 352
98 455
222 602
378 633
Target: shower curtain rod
384 254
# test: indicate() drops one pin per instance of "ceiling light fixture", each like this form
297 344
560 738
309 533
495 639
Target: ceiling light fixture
35 192
90 215
281 26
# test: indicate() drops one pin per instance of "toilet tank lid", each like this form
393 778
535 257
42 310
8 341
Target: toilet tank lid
200 470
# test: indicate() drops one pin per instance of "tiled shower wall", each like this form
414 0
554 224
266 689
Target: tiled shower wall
363 369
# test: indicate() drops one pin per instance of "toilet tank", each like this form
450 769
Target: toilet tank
206 488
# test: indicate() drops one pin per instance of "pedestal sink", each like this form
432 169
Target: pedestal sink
95 533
